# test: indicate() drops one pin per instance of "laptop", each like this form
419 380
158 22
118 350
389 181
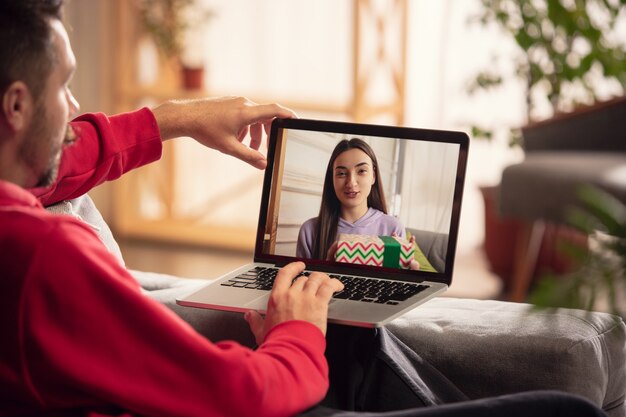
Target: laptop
422 174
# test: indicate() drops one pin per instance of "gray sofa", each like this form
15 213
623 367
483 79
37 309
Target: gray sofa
485 347
433 245
561 154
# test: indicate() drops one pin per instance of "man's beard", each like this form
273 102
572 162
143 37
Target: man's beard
50 174
28 152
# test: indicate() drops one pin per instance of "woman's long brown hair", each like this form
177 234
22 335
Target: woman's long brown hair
328 218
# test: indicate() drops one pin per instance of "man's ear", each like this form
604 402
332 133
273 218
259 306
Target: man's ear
17 103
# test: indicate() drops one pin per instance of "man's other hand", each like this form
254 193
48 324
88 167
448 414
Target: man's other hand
222 124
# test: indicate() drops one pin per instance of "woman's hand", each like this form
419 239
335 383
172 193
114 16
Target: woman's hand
414 265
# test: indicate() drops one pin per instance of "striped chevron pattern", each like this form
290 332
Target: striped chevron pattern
370 250
360 249
407 252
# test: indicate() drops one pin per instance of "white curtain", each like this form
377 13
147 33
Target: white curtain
428 185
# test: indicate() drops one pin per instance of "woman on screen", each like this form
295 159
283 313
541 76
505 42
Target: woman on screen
353 201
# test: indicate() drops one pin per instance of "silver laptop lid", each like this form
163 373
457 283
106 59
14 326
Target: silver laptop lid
421 173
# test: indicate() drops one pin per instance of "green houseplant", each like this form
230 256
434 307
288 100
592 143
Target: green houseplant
170 24
601 271
565 50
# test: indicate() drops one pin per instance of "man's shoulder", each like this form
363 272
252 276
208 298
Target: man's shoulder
19 222
31 239
28 226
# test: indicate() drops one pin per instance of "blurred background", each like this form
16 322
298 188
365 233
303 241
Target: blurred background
449 64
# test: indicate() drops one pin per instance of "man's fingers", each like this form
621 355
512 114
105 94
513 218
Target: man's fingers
256 136
256 119
243 133
286 274
319 280
313 282
263 112
300 282
244 153
328 288
255 321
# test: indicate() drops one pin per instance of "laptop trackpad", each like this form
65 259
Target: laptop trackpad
259 303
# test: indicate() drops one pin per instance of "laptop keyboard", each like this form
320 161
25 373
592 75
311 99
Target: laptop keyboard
367 290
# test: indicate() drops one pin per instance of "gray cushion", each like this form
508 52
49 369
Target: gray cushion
433 245
492 347
545 184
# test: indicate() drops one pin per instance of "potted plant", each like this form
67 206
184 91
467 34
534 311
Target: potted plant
565 51
171 24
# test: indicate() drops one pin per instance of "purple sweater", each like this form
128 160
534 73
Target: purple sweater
374 222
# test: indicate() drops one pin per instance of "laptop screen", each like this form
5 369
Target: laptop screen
361 199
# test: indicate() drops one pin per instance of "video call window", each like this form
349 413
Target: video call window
417 179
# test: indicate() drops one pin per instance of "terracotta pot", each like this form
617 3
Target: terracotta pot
193 78
501 235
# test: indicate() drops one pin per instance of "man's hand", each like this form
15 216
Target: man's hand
221 124
307 299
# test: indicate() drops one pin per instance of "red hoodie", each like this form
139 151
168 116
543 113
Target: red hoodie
79 338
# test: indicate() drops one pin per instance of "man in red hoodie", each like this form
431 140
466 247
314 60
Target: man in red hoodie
79 337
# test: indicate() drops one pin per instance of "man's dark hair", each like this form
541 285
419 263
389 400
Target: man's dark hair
26 51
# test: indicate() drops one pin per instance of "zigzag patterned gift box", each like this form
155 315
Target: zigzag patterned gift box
387 251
